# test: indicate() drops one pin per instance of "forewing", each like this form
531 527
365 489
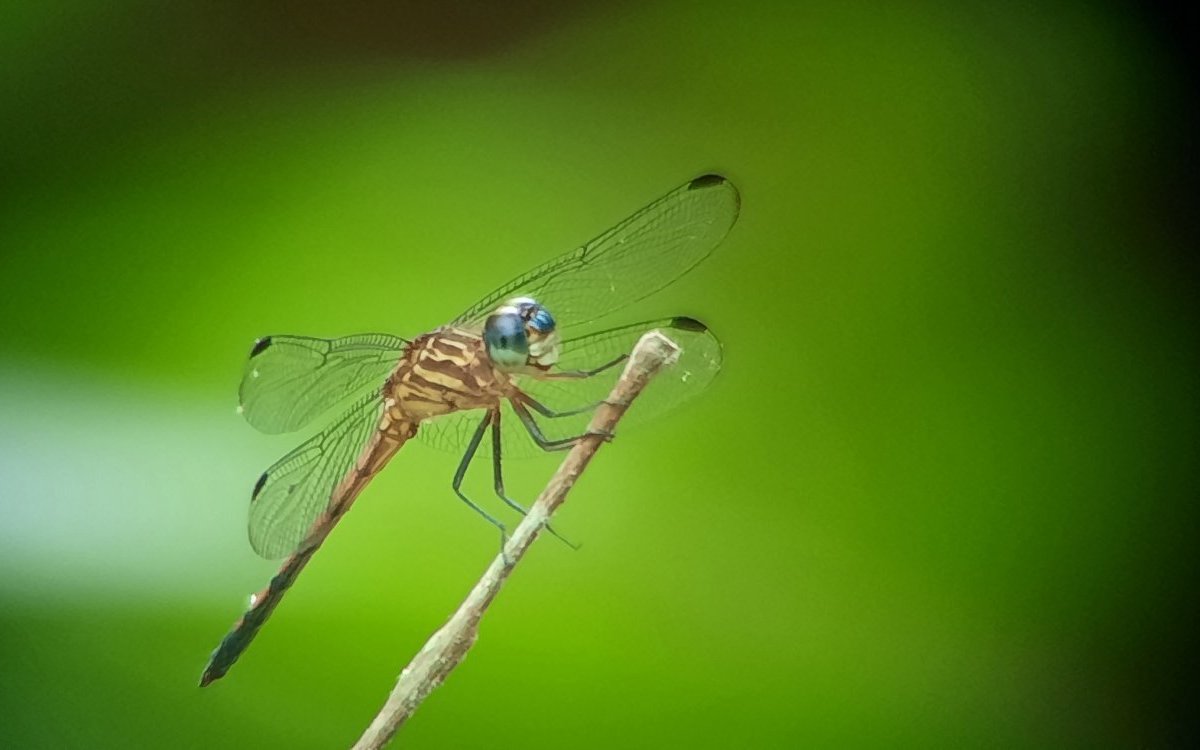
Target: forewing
634 259
698 365
291 380
292 494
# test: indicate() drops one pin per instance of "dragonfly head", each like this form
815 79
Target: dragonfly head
521 333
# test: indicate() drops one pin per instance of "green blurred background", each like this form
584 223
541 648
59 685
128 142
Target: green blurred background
943 493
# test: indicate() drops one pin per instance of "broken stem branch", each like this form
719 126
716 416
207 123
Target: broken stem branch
446 648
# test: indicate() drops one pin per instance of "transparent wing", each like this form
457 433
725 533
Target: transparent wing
634 259
452 432
291 380
698 365
291 494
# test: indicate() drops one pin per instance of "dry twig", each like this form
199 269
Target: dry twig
446 648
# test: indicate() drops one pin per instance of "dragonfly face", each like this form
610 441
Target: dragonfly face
521 334
505 359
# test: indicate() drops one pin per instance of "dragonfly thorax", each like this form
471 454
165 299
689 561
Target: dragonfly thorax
521 333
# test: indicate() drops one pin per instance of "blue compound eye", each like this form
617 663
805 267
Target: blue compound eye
506 342
543 321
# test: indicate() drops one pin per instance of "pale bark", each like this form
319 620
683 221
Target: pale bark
446 648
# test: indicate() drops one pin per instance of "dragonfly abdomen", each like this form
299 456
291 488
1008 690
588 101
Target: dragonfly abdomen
384 443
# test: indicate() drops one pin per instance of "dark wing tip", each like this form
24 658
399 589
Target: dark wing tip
685 323
259 346
258 487
706 181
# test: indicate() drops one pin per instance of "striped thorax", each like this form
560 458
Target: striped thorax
442 372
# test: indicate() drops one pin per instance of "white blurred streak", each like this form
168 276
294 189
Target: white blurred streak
127 490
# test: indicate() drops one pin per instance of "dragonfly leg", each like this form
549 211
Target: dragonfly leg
462 472
546 411
498 475
577 374
540 438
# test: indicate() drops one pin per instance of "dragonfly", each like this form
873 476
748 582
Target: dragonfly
524 366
